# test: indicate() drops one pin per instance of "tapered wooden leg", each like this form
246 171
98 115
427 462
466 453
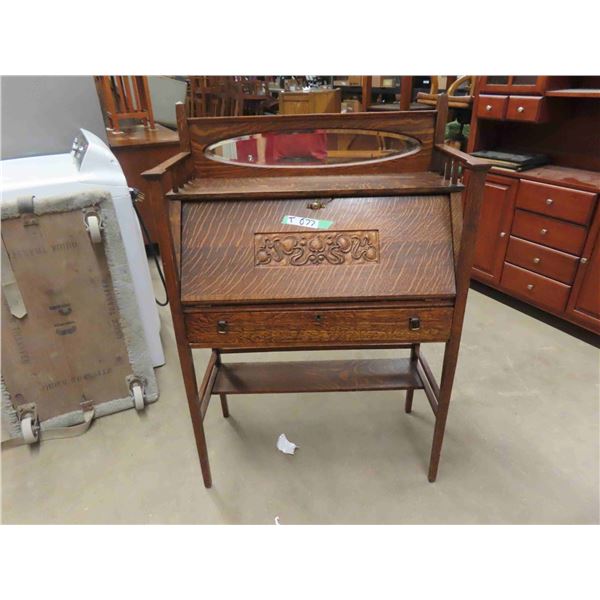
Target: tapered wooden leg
193 398
414 358
224 405
448 371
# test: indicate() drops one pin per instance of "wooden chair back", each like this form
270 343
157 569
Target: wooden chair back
126 97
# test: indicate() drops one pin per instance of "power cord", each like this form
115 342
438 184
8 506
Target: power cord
135 194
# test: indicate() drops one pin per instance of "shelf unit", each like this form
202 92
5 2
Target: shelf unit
539 231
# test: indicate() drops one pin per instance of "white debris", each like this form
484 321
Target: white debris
285 446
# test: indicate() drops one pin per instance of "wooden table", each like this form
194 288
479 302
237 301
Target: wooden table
376 254
137 149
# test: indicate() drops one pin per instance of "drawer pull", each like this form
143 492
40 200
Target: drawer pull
530 286
503 234
536 261
488 107
583 260
319 319
414 323
222 327
520 109
543 231
549 201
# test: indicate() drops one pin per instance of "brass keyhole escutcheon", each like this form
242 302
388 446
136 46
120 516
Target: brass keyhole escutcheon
315 205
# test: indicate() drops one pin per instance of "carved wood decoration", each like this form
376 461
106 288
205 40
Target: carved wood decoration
316 248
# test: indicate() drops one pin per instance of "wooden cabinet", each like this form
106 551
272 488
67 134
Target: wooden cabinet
519 84
538 236
137 149
584 303
494 227
313 101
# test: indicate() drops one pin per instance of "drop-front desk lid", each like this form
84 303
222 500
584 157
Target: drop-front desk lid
257 251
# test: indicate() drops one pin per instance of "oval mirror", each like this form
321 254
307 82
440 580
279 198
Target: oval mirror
312 148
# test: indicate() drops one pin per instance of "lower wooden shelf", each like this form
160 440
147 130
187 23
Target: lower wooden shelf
317 376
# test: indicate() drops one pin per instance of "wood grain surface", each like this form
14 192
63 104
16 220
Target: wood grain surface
549 232
400 184
316 376
415 241
315 326
557 202
541 259
536 288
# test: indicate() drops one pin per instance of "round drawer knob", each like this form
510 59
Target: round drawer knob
536 261
549 201
488 107
503 234
530 286
520 109
583 260
543 231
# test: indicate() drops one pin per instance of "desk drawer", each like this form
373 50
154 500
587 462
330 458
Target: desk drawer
535 288
555 201
549 232
526 108
283 327
543 260
492 107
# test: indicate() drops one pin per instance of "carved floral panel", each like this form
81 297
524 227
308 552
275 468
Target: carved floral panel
298 249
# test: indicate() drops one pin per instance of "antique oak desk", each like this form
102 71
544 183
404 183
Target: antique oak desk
317 232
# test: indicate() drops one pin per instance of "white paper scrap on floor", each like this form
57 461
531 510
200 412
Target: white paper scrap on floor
285 445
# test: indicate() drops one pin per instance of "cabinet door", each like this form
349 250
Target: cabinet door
515 84
584 302
494 227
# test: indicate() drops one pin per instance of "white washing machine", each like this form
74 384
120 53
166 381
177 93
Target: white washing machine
91 165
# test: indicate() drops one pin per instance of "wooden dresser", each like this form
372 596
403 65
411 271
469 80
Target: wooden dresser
539 231
307 250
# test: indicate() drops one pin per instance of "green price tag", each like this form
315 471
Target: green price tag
306 222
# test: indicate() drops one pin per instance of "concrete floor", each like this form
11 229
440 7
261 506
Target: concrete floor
522 446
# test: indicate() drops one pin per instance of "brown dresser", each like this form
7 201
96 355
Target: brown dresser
538 230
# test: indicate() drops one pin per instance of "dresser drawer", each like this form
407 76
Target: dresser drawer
492 107
543 260
283 327
526 108
539 290
555 201
549 232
